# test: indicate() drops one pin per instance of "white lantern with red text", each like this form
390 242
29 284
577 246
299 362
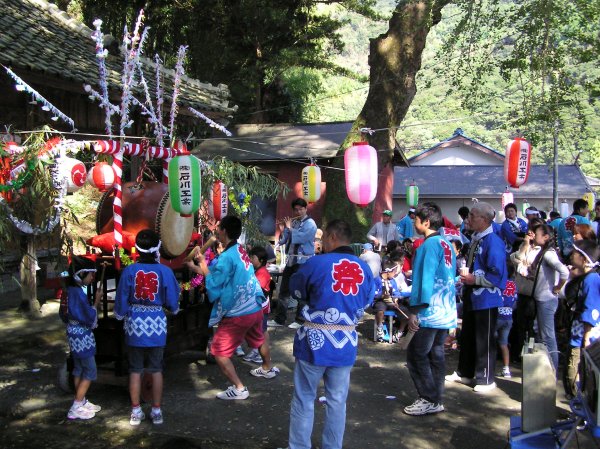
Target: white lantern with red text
360 161
311 183
101 176
73 172
507 198
517 162
217 201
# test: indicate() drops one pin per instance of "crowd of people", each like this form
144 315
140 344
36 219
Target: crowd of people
431 274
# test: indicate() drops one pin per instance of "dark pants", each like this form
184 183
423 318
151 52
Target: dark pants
426 363
524 317
280 312
477 358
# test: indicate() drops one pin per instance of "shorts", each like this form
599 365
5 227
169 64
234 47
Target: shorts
381 306
264 323
85 368
234 330
151 357
502 330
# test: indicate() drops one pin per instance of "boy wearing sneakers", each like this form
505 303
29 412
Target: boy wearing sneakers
144 289
81 318
505 321
433 311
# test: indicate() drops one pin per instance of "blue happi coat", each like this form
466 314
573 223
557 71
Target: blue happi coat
509 297
337 287
82 318
587 310
143 290
433 291
232 285
565 232
489 262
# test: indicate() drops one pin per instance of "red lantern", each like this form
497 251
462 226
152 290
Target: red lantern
101 176
217 201
517 162
360 161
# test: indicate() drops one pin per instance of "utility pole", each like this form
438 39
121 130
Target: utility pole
555 204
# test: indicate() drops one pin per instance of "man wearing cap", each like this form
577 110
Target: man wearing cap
406 225
372 259
383 232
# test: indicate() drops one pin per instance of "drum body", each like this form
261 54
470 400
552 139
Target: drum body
147 207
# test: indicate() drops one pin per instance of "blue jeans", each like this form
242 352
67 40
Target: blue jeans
545 322
426 363
306 380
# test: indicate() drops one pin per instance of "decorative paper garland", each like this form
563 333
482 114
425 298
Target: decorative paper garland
210 122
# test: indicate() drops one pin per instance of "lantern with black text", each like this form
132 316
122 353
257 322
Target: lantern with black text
311 183
184 184
564 209
507 198
360 162
412 195
517 162
590 198
217 201
73 172
101 176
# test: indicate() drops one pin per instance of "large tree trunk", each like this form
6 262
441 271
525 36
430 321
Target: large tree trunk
394 59
29 301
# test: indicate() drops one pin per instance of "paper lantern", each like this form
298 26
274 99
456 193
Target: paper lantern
525 207
507 198
217 201
184 184
517 162
360 162
412 195
101 176
590 198
564 209
311 183
73 172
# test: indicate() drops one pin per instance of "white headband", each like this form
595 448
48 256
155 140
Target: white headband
532 212
590 263
154 249
76 276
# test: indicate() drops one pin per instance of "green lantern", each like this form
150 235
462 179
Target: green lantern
184 184
525 207
412 194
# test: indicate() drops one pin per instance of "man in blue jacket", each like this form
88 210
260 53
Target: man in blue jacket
567 226
337 286
482 296
433 311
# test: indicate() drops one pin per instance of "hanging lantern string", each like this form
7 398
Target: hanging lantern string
23 86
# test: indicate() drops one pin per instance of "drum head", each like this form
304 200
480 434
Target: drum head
175 231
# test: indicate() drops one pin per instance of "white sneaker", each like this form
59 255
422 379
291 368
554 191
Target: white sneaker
251 354
273 323
484 388
380 334
423 407
506 372
259 372
91 407
232 394
80 413
239 351
455 377
295 325
136 418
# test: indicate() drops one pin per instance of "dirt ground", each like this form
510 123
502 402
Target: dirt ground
33 409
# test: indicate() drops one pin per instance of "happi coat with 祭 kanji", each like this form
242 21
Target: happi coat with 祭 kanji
433 292
232 285
143 290
336 286
565 232
81 319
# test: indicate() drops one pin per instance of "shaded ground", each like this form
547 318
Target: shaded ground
33 409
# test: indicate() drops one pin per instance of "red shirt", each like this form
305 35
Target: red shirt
264 279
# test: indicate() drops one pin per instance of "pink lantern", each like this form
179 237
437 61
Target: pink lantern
360 161
517 162
73 172
101 176
217 201
507 198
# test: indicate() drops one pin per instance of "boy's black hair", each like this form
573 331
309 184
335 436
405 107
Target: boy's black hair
232 226
589 248
432 212
388 265
397 255
260 253
554 215
146 239
579 204
79 263
510 206
391 246
543 215
463 212
299 202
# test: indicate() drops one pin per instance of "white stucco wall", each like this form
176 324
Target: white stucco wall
458 155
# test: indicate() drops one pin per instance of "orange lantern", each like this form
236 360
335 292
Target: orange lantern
217 201
517 162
